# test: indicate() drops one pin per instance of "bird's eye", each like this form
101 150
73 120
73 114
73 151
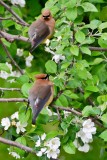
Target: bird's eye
46 77
46 16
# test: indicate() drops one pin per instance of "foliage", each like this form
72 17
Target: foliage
80 79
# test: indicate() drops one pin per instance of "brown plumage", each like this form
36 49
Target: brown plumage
40 95
41 29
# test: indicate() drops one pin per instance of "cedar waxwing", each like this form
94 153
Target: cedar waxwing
41 29
41 94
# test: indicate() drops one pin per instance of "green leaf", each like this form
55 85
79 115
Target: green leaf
25 89
92 88
71 14
8 23
21 140
103 135
94 24
23 115
102 98
80 36
71 3
87 111
102 42
89 7
51 134
65 65
74 50
51 66
104 36
85 50
97 61
69 148
104 118
62 101
23 79
4 67
102 26
69 94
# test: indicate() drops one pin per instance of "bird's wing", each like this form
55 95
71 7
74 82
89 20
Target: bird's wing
39 33
42 98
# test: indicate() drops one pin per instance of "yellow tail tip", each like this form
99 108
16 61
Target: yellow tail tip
33 125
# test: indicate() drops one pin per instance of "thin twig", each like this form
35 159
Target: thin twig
13 100
11 38
9 89
13 13
97 49
59 117
18 145
1 18
10 57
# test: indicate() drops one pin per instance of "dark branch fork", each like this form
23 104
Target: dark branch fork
13 13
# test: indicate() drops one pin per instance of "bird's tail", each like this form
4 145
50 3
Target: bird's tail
36 112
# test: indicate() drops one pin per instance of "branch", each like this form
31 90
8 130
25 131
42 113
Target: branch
72 110
10 57
13 13
18 145
13 100
97 49
11 38
68 109
9 89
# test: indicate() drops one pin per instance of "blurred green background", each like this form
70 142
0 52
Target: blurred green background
6 109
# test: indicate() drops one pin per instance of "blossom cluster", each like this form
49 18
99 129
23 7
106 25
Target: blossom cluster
13 121
21 3
5 75
85 134
56 57
50 147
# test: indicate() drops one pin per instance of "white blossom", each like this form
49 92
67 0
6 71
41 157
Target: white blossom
58 57
59 38
5 122
15 74
88 127
52 153
11 80
84 148
4 74
53 144
15 155
20 127
47 49
43 136
50 113
15 115
28 60
39 153
19 52
21 3
66 114
38 143
47 42
85 137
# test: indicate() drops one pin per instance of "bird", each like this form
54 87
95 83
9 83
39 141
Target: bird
40 95
41 29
